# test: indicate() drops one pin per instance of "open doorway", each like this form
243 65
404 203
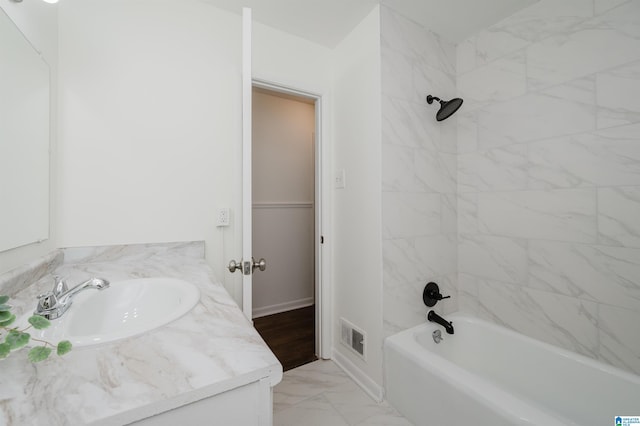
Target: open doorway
284 223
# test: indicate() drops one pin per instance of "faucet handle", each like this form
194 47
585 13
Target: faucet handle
46 301
59 285
431 294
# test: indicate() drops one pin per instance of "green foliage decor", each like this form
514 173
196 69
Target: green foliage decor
16 339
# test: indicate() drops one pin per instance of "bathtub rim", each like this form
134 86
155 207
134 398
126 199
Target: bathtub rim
462 316
519 408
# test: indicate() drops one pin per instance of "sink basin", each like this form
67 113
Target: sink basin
125 309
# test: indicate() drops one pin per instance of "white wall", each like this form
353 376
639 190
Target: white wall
38 22
357 236
418 172
150 123
549 176
283 202
151 120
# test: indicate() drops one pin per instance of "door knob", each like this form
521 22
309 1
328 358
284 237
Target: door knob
235 266
260 264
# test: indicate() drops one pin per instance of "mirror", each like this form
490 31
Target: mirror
24 140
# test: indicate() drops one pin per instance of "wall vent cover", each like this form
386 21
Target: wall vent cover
353 338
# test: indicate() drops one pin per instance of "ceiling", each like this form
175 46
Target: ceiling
326 22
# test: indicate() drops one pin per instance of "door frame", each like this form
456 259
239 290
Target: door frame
321 211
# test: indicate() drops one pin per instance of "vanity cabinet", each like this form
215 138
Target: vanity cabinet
208 367
247 405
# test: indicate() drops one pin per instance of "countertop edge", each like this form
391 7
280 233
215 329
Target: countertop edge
187 398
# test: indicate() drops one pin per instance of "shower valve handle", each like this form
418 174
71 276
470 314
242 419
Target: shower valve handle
431 294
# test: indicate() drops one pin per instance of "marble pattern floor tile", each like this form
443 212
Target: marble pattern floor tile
321 394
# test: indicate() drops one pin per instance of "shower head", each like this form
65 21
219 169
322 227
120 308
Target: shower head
447 108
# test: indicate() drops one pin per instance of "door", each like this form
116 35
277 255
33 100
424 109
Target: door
283 145
283 200
247 265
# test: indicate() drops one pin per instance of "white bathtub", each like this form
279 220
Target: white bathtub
488 375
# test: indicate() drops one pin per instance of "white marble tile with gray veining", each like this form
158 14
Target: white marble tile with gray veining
605 41
619 216
536 22
401 262
398 312
400 33
582 91
602 6
408 124
436 171
398 169
498 258
321 394
468 294
466 55
609 157
18 278
559 320
493 170
410 214
431 81
597 273
448 287
496 42
357 408
316 411
467 212
397 72
449 213
564 214
499 80
618 95
402 305
467 132
438 253
404 35
449 132
619 343
559 111
211 349
309 381
132 253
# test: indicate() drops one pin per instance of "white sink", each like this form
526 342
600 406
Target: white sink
125 309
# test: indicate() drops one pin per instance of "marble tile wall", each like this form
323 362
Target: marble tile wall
419 177
548 176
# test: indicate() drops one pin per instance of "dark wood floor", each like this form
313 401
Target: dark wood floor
290 335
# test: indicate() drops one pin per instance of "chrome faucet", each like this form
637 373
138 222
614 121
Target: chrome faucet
53 304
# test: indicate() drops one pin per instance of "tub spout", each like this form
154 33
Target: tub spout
433 317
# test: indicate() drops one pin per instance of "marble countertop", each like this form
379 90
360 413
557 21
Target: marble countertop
211 349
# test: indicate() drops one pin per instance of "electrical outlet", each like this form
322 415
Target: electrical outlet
222 218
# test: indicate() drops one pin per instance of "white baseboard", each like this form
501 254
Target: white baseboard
373 389
282 307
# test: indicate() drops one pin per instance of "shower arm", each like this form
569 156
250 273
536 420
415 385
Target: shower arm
430 99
